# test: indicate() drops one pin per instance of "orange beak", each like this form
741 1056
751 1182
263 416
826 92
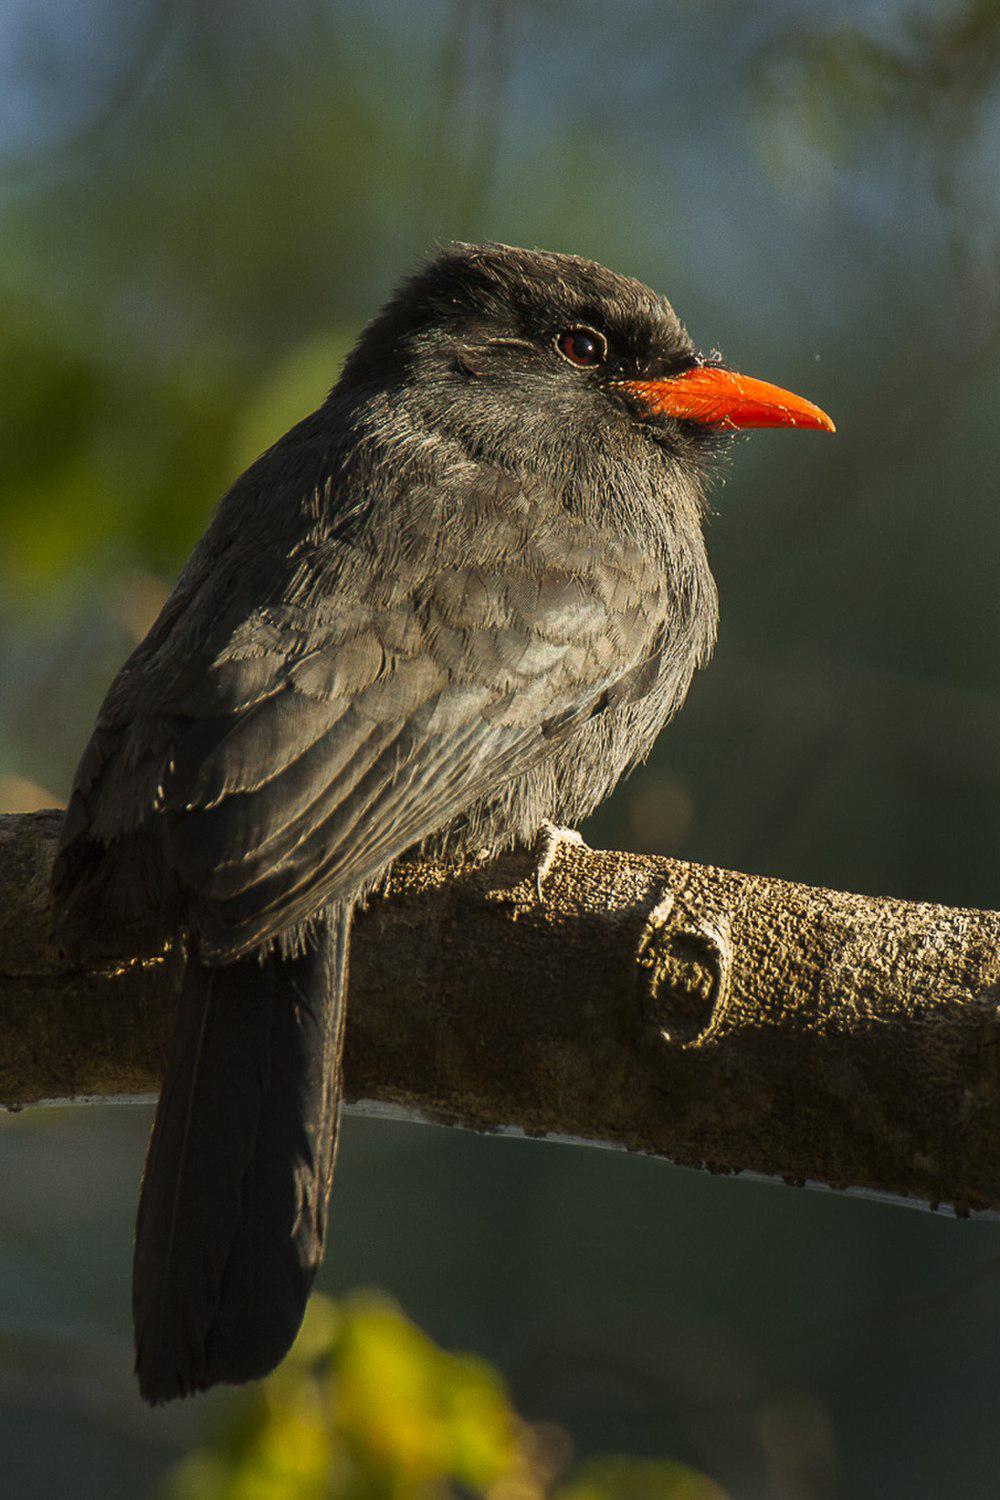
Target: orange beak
721 398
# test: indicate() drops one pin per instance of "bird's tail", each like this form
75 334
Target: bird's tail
232 1213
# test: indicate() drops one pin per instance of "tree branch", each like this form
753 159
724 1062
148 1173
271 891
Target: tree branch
717 1019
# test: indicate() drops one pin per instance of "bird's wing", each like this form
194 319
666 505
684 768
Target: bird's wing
343 724
296 780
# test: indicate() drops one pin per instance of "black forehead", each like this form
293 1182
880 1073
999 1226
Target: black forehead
533 289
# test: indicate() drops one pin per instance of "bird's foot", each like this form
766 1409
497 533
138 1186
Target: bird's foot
550 836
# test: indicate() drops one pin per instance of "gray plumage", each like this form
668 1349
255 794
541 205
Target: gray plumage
462 597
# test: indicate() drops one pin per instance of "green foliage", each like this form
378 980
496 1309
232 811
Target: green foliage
366 1407
105 469
635 1479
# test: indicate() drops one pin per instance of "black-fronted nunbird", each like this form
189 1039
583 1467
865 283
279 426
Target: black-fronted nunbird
460 599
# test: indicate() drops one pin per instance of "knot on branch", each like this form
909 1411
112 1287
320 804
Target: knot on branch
684 966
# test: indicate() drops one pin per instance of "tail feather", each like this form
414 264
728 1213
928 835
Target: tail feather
269 1274
232 1214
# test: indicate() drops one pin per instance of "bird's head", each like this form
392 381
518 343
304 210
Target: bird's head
531 352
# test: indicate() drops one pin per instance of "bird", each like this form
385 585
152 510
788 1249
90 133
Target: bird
452 606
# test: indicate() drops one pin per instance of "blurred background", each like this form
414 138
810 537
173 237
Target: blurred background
199 206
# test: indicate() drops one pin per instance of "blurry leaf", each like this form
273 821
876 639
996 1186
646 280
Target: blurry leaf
47 395
54 524
365 1405
415 1412
635 1479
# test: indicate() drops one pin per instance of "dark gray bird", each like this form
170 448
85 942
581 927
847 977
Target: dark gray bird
461 598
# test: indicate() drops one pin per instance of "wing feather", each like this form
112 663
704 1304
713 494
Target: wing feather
278 759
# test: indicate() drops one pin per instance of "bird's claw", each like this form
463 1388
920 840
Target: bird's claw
550 836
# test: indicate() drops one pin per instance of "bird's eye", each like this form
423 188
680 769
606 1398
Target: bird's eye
583 347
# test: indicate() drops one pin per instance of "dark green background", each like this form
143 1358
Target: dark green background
198 207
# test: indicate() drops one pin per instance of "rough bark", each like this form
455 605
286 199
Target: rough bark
720 1020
